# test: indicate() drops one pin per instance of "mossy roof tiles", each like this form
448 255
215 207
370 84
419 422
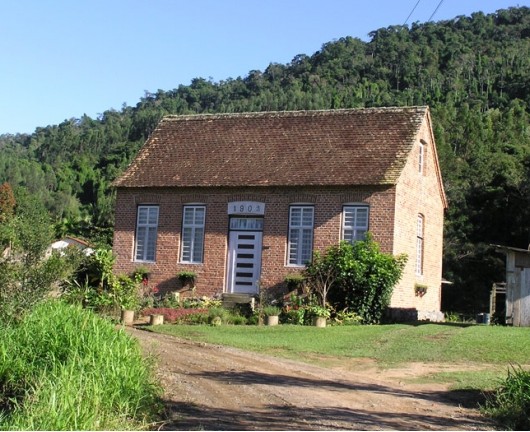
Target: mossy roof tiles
289 148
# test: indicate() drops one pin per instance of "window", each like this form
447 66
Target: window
193 234
419 244
146 232
354 222
421 158
300 234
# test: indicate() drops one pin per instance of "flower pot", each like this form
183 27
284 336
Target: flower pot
271 320
156 319
127 317
319 321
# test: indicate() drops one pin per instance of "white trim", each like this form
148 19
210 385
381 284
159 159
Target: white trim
421 158
251 208
358 231
300 235
193 234
420 243
146 229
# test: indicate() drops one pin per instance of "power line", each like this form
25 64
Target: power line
435 10
413 9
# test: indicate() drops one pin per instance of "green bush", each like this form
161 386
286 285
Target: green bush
63 368
98 288
294 281
346 318
358 277
293 315
510 404
219 315
27 274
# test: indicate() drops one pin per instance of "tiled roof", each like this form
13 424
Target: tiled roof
290 148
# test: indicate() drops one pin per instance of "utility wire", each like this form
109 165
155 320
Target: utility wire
435 10
413 9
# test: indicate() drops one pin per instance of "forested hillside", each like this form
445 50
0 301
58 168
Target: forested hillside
474 73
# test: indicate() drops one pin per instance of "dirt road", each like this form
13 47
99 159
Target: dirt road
209 387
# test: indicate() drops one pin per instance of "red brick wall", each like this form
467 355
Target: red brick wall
328 203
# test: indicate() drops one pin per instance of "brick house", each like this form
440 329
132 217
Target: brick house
244 199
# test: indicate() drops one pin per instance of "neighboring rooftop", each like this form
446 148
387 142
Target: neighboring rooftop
289 148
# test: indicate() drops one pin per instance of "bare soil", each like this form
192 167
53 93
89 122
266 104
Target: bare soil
210 387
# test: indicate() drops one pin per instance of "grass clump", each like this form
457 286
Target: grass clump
64 368
510 403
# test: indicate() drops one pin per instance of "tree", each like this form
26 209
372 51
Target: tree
322 273
7 202
356 277
27 274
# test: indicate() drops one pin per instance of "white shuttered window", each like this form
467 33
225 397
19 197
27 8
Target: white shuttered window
146 233
354 222
300 234
192 247
419 244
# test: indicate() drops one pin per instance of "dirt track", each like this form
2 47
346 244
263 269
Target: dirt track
208 387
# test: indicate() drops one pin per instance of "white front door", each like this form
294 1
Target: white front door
244 261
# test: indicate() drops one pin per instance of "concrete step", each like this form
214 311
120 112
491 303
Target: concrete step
230 300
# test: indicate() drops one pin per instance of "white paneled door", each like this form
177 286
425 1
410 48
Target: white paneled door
244 261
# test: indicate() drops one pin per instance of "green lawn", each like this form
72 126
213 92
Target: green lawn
494 347
387 344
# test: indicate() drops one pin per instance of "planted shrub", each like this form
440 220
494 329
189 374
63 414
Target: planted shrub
98 288
293 315
357 277
187 278
64 368
294 281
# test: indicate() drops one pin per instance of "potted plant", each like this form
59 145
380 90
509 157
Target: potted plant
420 289
187 279
141 274
319 315
271 314
126 295
294 281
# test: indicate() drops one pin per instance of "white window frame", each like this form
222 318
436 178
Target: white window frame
146 233
420 243
421 158
300 239
352 228
193 234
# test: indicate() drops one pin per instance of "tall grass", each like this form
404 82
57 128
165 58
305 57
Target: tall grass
64 368
510 404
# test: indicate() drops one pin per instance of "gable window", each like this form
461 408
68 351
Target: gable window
354 222
146 233
300 242
421 157
193 234
420 229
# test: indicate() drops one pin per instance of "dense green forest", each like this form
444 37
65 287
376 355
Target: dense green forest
474 73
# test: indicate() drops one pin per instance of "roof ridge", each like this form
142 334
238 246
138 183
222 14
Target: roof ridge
293 113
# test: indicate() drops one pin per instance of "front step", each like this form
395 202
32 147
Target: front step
231 300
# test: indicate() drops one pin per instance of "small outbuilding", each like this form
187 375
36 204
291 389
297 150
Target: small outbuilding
517 285
69 241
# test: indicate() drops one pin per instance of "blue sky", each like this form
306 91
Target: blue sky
65 58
